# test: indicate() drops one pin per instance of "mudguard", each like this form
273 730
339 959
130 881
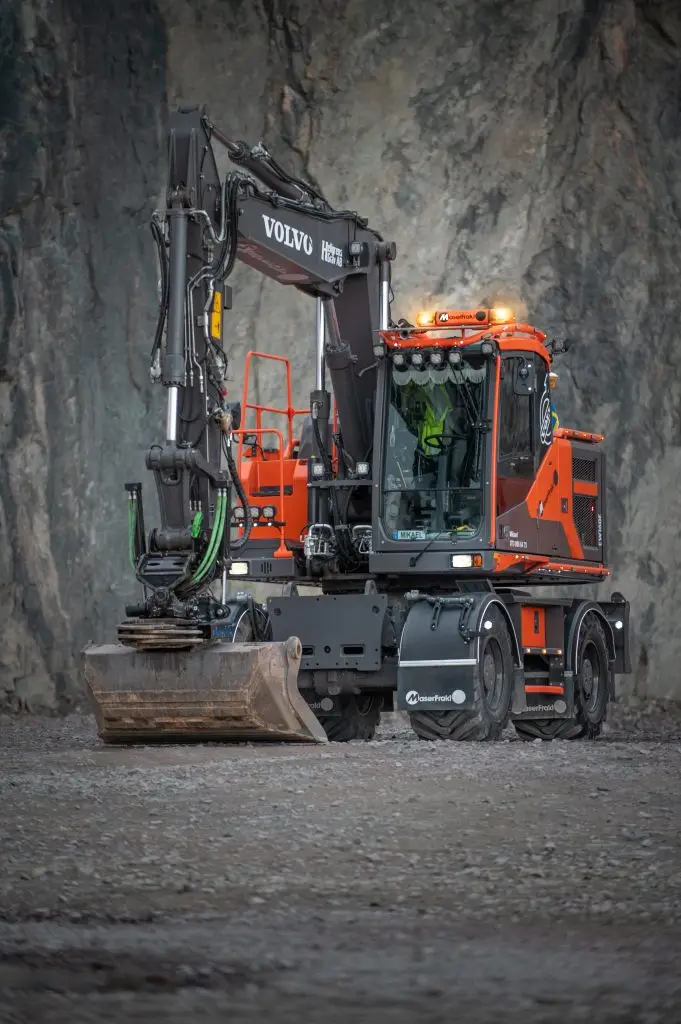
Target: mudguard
573 624
439 650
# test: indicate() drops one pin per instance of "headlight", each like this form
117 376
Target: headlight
238 569
269 511
462 561
254 512
238 512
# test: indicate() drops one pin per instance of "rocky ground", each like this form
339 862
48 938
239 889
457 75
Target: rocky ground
390 881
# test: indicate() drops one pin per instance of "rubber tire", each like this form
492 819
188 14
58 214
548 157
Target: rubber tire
359 718
481 723
587 723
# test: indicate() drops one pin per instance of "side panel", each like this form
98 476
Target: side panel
336 631
533 626
563 515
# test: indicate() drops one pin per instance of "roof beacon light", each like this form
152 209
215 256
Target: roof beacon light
425 318
501 315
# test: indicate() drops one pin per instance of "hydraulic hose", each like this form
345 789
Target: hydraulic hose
215 539
243 499
344 546
163 308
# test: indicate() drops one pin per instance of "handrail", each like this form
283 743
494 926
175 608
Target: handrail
289 411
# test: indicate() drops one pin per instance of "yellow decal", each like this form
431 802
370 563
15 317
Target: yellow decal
216 318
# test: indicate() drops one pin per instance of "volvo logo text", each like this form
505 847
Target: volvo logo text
286 235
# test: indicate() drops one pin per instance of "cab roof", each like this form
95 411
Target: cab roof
461 328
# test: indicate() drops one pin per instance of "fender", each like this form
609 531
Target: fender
439 651
573 626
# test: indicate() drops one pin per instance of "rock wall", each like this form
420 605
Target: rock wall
81 112
527 153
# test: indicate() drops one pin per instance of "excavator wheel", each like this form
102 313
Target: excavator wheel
358 720
591 693
493 694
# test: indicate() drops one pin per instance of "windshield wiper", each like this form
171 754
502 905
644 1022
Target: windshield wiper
438 536
475 421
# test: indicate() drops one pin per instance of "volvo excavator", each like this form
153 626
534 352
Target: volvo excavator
424 500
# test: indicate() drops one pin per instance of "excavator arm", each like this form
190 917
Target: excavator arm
285 229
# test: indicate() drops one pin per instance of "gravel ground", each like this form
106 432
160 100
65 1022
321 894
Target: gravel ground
391 881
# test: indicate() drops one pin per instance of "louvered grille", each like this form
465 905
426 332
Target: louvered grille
584 469
585 511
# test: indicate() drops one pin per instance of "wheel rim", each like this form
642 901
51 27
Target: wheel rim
591 677
492 673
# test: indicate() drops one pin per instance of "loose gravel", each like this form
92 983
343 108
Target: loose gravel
395 880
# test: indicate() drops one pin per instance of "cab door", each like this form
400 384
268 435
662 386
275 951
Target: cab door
517 430
525 436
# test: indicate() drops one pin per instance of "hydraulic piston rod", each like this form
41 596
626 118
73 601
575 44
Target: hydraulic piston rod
174 361
321 341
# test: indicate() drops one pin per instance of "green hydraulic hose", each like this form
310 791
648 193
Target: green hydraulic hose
215 540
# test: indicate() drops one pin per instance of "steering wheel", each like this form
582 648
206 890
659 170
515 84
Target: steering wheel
439 441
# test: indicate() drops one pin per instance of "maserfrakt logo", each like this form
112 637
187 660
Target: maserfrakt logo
414 697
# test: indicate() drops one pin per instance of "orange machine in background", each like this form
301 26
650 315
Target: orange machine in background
273 475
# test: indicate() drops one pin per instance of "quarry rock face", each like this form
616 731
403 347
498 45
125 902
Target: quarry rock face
520 153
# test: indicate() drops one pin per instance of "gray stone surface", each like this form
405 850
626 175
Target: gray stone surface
528 153
395 880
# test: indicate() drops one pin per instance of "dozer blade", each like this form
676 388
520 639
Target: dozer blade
217 691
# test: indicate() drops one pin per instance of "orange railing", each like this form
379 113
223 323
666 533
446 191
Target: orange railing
282 551
289 411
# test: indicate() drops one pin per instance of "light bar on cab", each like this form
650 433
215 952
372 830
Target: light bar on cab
465 317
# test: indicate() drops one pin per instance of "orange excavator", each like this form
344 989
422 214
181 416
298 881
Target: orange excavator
424 500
